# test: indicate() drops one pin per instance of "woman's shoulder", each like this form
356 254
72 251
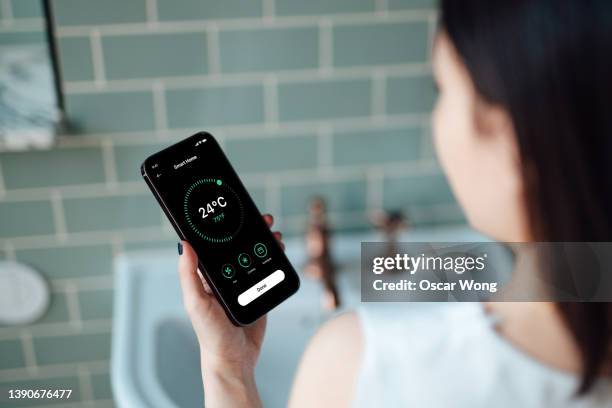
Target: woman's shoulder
328 370
450 354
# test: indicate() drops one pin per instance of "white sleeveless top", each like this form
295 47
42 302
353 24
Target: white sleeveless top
428 355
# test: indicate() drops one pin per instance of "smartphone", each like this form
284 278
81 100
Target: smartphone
209 207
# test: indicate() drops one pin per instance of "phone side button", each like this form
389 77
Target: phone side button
261 287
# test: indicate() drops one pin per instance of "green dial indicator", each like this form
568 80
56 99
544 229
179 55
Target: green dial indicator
213 210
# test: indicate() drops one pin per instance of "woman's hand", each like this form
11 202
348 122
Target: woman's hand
228 353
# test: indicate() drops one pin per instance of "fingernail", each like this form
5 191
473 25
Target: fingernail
180 248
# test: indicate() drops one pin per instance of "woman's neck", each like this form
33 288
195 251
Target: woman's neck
537 329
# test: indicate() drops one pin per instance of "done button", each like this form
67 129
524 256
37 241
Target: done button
261 287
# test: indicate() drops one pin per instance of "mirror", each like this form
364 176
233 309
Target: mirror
31 102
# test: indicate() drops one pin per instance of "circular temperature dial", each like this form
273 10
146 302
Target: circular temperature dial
213 210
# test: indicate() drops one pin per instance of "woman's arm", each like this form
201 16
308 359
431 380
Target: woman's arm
327 374
228 353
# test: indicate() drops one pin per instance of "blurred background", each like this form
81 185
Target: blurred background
326 98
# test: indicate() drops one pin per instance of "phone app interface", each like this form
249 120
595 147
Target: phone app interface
215 213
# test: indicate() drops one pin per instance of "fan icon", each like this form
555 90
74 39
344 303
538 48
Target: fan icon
228 271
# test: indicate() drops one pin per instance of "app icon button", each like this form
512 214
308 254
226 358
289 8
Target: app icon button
260 250
228 271
244 260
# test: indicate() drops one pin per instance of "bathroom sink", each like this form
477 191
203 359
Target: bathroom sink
155 360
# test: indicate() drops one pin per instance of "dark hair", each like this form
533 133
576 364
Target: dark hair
549 64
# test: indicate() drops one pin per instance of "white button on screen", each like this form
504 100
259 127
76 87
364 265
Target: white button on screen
261 287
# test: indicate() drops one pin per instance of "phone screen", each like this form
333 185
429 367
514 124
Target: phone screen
209 207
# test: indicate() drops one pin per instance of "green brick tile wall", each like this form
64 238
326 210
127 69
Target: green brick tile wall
116 111
409 94
26 8
169 10
128 155
72 348
269 49
322 7
12 354
154 55
114 212
299 153
25 218
23 169
327 99
101 386
341 195
76 58
392 145
96 304
92 12
392 43
210 106
66 262
58 310
22 37
320 97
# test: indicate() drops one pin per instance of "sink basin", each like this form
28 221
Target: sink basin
155 361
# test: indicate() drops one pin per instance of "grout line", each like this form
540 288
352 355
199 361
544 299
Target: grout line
159 106
382 7
151 12
99 326
272 197
2 185
58 215
379 95
374 189
97 58
212 48
130 188
326 45
72 300
271 101
137 188
252 78
325 152
339 219
7 12
427 146
84 238
83 284
9 251
55 370
117 246
397 16
84 376
29 354
432 26
108 160
286 128
269 10
21 25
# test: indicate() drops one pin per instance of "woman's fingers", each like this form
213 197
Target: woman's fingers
277 234
195 297
268 219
